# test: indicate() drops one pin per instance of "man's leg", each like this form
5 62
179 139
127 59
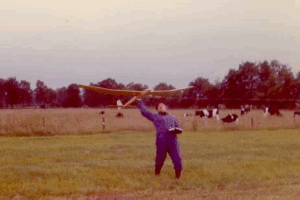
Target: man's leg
161 154
174 152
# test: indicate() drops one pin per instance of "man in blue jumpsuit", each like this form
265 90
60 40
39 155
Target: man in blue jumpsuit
166 142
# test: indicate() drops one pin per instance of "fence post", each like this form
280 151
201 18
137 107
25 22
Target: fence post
43 122
252 122
103 123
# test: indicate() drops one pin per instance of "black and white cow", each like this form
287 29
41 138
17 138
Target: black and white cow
231 118
245 109
271 111
208 113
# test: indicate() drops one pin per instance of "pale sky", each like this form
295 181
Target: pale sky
145 41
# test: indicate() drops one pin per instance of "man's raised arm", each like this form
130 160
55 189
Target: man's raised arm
144 110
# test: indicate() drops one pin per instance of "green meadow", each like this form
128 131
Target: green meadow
217 164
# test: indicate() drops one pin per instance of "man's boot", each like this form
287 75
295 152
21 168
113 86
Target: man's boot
157 170
177 174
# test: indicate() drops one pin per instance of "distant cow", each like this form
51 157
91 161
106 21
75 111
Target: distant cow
208 113
231 118
101 113
242 110
120 115
187 115
272 111
296 112
245 109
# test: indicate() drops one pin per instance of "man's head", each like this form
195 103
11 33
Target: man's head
160 107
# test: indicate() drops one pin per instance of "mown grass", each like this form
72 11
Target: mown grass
122 164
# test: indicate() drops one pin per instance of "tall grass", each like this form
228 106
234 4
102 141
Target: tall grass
88 121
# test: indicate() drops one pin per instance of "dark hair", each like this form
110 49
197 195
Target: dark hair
156 106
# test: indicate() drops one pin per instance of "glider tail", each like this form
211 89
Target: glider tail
119 104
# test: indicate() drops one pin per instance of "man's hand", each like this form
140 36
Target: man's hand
144 92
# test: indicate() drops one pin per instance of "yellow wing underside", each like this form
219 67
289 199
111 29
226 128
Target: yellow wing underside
114 106
110 91
130 92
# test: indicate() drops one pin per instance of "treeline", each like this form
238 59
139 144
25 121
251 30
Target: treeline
259 84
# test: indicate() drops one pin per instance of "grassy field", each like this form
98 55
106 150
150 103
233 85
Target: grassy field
218 165
88 121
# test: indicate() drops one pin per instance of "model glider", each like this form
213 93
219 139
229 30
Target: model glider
134 93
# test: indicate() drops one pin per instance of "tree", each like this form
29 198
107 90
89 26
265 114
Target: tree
230 84
263 80
267 78
164 86
73 98
41 95
200 87
249 80
11 86
242 83
287 83
215 90
51 97
91 98
26 94
2 93
278 81
297 86
61 97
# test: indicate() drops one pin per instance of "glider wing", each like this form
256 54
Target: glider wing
111 91
164 92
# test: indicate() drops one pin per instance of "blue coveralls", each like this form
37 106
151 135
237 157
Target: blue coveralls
166 142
